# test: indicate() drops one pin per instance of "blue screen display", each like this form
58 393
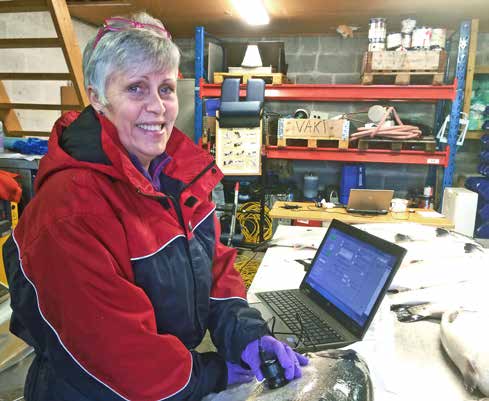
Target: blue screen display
350 274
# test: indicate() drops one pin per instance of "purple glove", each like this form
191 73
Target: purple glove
238 374
290 360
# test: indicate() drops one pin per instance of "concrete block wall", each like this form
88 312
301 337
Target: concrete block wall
35 25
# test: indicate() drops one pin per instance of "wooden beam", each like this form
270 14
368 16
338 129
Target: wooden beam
474 134
38 106
33 43
35 76
68 95
29 133
64 29
482 69
9 118
23 6
97 4
469 77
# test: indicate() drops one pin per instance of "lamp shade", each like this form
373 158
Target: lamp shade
252 57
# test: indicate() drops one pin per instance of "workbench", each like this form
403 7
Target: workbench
309 211
406 360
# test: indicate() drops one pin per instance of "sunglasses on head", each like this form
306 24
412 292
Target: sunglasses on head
122 24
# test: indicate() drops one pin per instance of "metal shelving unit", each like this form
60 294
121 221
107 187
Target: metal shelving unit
345 93
439 158
358 93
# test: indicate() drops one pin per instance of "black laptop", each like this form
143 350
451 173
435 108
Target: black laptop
340 293
369 201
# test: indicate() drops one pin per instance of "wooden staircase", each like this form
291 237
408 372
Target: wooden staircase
66 40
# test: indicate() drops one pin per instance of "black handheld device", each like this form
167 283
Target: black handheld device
272 370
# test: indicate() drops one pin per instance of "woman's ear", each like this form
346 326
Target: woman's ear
94 100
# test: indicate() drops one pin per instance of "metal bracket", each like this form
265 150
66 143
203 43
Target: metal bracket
442 134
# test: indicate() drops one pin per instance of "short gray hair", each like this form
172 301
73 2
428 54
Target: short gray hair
128 49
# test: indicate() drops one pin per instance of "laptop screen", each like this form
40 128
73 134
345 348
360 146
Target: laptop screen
350 273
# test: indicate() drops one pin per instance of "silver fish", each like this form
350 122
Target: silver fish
464 337
333 375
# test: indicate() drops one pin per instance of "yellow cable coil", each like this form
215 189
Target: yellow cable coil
250 222
247 268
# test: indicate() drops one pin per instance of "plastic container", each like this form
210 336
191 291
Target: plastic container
438 38
408 25
394 41
352 176
311 182
211 106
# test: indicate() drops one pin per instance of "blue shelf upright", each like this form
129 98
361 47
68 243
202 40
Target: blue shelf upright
460 72
199 73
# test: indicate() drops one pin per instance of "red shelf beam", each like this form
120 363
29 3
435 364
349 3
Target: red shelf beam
344 93
439 158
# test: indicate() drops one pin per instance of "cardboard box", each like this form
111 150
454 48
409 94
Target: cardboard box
425 60
300 128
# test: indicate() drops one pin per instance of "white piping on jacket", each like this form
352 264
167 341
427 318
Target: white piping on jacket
173 239
225 299
162 247
205 217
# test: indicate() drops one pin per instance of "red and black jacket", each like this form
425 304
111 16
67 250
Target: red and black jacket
113 283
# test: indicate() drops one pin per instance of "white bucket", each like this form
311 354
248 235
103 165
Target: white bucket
438 38
394 41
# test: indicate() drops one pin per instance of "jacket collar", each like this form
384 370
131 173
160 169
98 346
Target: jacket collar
89 140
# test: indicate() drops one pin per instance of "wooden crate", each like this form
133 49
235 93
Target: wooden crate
313 133
404 68
271 78
427 144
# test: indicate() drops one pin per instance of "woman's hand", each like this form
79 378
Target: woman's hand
290 360
238 374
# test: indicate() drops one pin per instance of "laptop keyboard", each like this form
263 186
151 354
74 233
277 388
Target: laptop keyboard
286 305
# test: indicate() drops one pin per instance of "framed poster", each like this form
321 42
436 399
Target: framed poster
238 150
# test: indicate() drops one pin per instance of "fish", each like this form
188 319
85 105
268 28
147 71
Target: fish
332 375
463 335
416 311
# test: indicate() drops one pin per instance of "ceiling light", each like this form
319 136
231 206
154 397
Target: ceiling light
252 11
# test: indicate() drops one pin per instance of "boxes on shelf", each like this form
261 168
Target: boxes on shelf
308 132
404 67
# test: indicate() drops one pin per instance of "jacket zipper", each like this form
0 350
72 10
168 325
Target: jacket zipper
176 205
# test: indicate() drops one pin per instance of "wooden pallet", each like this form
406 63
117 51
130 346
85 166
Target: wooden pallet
404 68
272 78
313 143
403 78
427 144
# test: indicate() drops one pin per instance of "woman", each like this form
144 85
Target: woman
116 270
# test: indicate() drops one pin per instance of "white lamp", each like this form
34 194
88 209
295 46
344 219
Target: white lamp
252 57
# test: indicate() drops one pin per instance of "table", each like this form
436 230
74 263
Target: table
308 211
406 360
